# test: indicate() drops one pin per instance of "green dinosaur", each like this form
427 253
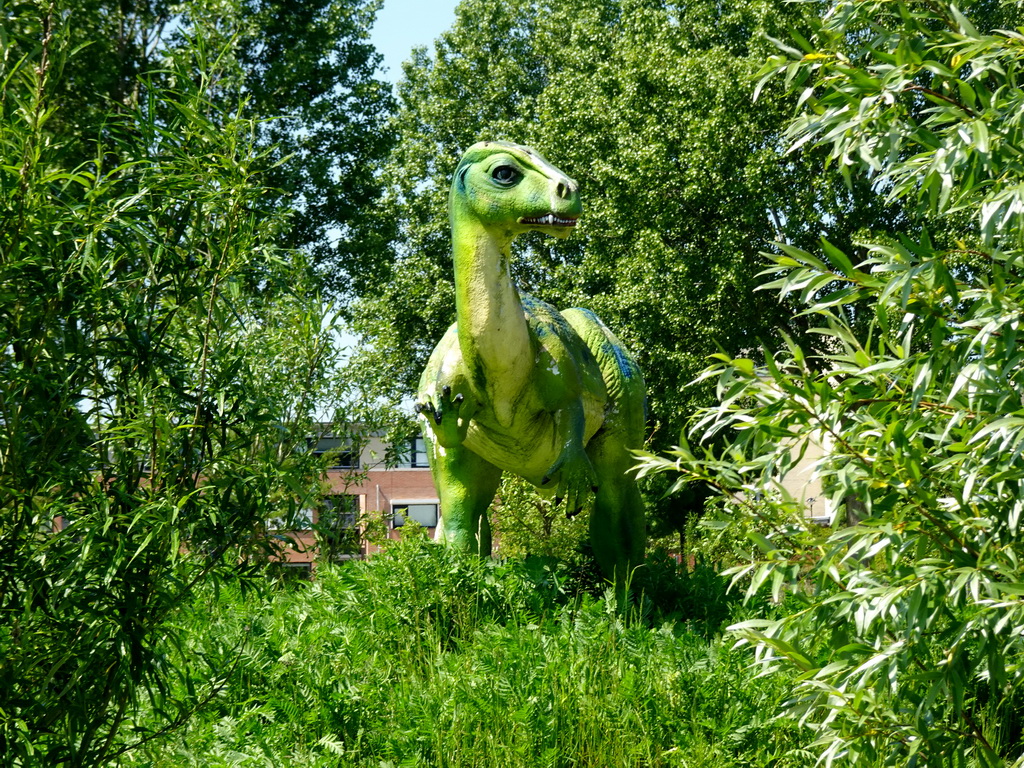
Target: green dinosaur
517 386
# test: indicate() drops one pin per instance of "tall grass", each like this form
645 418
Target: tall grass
423 657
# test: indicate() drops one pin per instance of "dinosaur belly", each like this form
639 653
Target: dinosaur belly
529 448
531 445
518 423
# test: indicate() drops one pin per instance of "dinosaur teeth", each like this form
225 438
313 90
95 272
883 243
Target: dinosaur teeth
549 220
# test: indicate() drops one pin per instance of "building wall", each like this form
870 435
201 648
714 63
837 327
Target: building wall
802 484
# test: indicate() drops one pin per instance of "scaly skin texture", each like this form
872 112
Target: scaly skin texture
517 386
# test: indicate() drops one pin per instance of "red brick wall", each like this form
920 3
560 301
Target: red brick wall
377 491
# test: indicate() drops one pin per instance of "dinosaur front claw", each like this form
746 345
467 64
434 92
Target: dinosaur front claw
449 425
429 409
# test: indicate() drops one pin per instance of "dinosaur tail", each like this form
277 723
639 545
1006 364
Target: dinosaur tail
626 412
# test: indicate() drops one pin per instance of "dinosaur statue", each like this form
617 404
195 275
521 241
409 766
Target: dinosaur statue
517 386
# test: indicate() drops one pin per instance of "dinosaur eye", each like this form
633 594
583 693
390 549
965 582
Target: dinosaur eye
506 174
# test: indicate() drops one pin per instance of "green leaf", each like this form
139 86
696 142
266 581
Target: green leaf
838 258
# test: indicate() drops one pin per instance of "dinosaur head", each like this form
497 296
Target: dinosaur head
512 189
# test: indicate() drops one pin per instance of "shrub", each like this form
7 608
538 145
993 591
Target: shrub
915 396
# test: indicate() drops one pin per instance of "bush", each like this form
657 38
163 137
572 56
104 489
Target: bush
150 396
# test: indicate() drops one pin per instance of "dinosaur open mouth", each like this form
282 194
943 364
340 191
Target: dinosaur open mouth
549 220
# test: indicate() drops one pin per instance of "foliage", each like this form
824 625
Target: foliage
424 656
689 591
307 64
525 523
153 409
535 529
310 62
917 405
725 533
679 511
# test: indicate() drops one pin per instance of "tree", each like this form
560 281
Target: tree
311 63
304 70
154 409
908 643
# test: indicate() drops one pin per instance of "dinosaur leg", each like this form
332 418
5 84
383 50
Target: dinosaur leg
466 485
617 525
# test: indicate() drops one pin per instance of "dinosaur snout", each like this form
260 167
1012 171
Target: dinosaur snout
565 198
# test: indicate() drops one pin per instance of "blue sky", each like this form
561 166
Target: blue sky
403 24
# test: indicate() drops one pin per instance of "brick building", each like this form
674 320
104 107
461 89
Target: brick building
362 490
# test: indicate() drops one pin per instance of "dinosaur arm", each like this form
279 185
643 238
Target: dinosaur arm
560 379
572 473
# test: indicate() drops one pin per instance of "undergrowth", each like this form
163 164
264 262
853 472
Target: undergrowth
424 657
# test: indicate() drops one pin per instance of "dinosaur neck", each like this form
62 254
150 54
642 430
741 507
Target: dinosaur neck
493 333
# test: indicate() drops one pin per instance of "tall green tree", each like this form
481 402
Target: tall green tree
310 63
154 409
909 645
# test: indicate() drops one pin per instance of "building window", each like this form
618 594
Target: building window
339 511
424 513
338 534
415 454
339 452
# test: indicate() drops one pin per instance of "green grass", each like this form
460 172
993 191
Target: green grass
422 657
